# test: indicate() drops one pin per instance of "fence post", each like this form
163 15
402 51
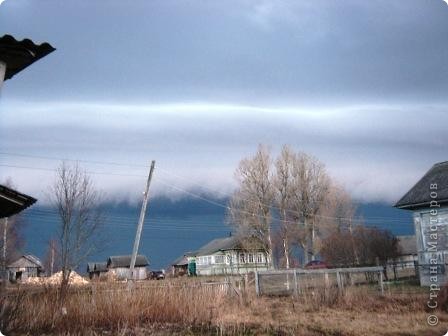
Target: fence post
338 278
257 284
381 283
296 291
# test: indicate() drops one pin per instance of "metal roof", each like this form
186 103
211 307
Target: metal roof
182 260
220 244
419 195
19 54
28 257
125 261
12 202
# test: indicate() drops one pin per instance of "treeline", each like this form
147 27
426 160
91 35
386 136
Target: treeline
289 205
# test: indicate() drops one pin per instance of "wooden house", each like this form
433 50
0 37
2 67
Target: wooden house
96 269
119 267
227 256
25 267
428 200
179 267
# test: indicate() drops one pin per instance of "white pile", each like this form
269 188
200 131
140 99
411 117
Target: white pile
55 279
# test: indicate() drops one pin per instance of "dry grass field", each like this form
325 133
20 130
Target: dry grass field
185 307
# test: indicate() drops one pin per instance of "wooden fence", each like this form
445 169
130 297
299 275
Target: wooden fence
298 281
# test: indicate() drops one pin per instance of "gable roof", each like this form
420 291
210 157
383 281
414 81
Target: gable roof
27 260
219 244
408 245
419 195
182 260
12 202
125 261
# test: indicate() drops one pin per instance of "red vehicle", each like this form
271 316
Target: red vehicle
316 264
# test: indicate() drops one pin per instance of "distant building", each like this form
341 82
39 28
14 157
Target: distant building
119 267
179 267
96 269
25 267
227 256
407 249
428 200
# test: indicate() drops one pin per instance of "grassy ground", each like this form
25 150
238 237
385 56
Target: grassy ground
184 307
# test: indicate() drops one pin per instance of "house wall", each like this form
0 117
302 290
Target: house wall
431 233
122 273
231 263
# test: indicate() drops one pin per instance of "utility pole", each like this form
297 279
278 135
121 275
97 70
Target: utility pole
140 222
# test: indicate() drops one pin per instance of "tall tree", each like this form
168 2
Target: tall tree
76 201
310 187
283 192
250 206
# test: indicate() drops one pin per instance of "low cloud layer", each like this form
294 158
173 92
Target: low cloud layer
198 85
377 152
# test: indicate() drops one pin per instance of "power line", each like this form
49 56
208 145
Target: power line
52 158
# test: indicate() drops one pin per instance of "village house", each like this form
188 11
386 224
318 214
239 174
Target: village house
25 267
227 256
428 200
96 270
119 267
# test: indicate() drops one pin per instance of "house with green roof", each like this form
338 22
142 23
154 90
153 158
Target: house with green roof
228 256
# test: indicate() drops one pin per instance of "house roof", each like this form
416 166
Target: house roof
219 244
419 195
408 245
19 54
27 261
12 202
182 260
125 261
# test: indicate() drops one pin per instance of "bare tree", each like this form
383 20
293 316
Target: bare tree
250 206
76 201
52 258
283 193
310 187
371 245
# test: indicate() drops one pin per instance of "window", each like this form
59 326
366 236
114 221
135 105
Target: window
242 258
259 258
250 258
219 259
229 259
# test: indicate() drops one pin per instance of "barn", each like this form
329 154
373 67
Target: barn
25 267
119 267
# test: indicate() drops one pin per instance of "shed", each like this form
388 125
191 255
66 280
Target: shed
25 267
96 269
180 265
120 267
428 200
